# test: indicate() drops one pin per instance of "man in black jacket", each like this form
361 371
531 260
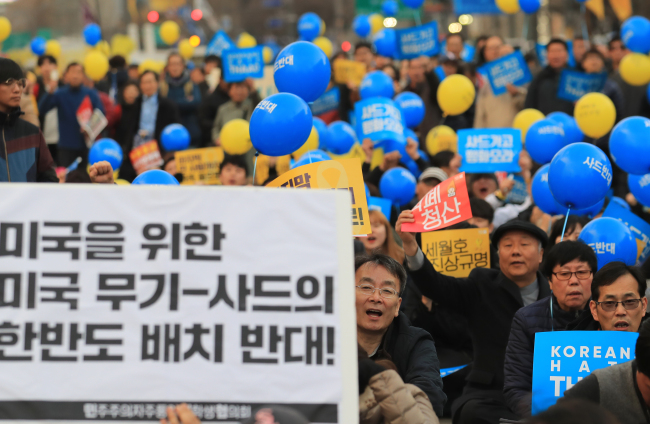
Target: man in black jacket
489 299
384 332
542 92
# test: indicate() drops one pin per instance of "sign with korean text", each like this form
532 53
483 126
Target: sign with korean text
519 191
145 157
542 54
446 204
563 358
159 298
200 166
379 119
490 150
328 102
639 228
574 84
418 41
220 42
349 71
457 252
239 64
484 7
510 69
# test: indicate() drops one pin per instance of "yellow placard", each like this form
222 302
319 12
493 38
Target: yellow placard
343 174
200 166
349 71
457 252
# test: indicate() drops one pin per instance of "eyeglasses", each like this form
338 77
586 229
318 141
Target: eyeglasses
386 293
11 81
566 275
610 305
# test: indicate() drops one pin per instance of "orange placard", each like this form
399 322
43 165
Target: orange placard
146 157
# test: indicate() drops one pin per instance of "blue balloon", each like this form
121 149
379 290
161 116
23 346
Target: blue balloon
413 168
580 175
530 6
542 195
312 156
409 133
342 138
621 202
640 187
412 108
280 124
361 26
155 177
190 65
38 46
385 42
629 147
303 69
635 33
544 139
108 150
589 212
323 132
309 26
389 7
611 241
175 137
398 185
413 4
376 84
568 123
92 34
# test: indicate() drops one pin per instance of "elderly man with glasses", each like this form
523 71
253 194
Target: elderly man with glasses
570 268
384 332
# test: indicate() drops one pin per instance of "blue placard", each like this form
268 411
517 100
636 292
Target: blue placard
444 372
468 53
379 119
572 59
219 43
542 55
385 206
510 69
484 7
327 102
239 64
573 84
490 150
640 229
519 191
562 358
418 41
440 73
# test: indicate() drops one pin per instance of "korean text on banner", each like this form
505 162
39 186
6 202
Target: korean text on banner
418 41
457 252
150 300
239 64
349 71
490 150
639 228
329 101
574 84
341 174
379 119
382 205
200 165
145 157
562 358
478 7
220 42
446 204
510 69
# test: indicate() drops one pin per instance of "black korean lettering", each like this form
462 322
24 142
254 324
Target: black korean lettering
154 232
59 292
9 336
115 299
196 331
288 356
150 347
10 290
92 340
61 241
75 336
261 291
160 286
314 341
481 260
460 246
172 343
222 294
243 292
30 336
197 236
53 336
10 231
33 240
218 343
176 236
105 243
257 334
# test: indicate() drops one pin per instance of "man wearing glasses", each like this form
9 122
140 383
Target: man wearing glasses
569 267
385 333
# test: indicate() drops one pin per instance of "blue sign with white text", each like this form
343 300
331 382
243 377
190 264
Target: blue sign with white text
440 73
327 102
639 228
379 119
574 84
519 191
239 64
490 150
563 358
510 69
380 204
542 54
479 7
219 43
418 41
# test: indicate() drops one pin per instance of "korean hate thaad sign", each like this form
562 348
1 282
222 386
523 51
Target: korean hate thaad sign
116 302
379 119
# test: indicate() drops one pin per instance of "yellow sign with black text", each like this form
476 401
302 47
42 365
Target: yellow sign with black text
457 252
200 166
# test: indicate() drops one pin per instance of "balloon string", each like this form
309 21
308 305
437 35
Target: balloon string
309 153
444 117
417 18
585 32
566 218
255 166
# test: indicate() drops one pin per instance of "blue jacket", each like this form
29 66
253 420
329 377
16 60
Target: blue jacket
187 96
67 100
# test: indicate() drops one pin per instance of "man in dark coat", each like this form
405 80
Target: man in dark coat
542 92
489 299
570 267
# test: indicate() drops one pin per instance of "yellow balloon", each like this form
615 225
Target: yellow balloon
635 69
150 65
96 65
441 138
456 94
267 54
376 23
323 27
595 114
5 28
185 49
246 40
526 118
325 44
122 182
235 137
508 6
122 44
310 144
170 32
53 48
103 47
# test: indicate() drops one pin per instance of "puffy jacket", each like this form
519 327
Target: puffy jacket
542 93
387 399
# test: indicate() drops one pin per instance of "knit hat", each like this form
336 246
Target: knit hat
433 172
10 69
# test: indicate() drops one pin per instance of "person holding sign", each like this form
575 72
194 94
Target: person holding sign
593 62
489 299
542 92
240 106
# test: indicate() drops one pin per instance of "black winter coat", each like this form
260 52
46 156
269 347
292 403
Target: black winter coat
542 93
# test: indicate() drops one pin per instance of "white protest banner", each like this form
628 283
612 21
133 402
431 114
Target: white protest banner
116 302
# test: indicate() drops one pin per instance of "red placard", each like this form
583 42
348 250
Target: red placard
446 204
146 157
85 111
